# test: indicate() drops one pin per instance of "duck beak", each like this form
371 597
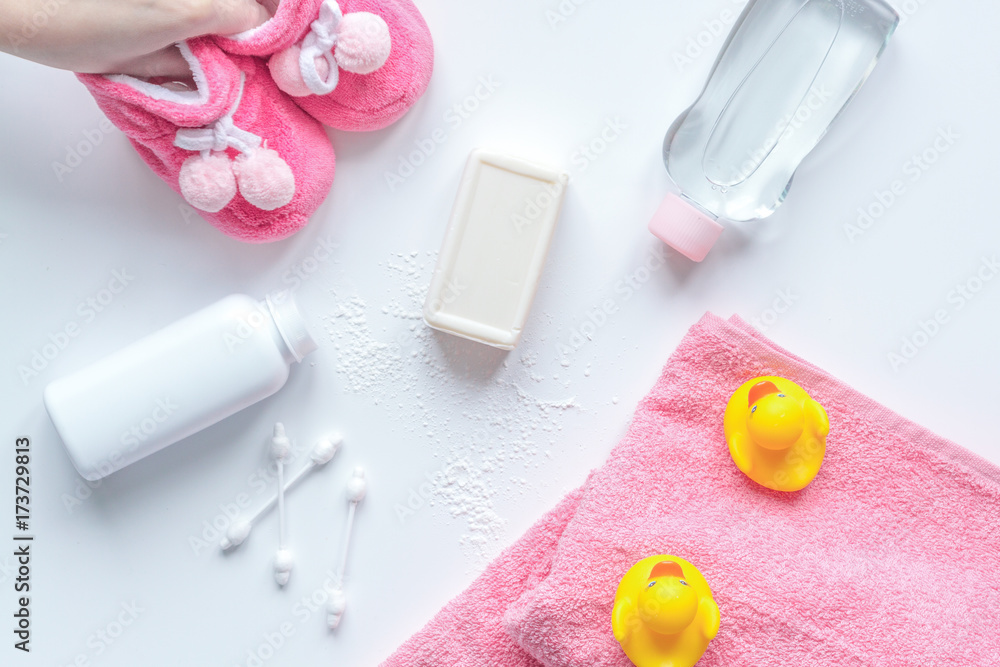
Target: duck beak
666 568
760 390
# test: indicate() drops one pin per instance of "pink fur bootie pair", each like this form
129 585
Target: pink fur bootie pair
246 146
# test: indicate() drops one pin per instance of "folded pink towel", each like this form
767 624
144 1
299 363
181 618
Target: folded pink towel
890 557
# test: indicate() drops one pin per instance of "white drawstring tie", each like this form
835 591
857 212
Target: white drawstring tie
319 43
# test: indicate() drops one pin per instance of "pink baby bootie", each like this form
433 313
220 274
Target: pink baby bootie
238 150
352 64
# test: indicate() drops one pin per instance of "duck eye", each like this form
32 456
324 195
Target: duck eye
753 409
651 584
781 396
684 583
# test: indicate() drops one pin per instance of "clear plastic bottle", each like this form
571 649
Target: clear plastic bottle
177 381
784 75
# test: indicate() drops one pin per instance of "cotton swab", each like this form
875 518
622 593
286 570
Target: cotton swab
322 453
281 448
356 490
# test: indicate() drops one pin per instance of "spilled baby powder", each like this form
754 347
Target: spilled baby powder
447 385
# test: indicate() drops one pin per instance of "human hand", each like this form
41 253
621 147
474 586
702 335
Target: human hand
120 36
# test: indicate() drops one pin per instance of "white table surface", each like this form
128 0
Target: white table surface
411 403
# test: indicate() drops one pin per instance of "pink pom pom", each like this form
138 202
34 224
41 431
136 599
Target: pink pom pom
207 183
265 179
285 71
284 67
363 43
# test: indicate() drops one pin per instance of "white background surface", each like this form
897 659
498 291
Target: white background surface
436 400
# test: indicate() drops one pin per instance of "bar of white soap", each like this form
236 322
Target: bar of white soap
495 248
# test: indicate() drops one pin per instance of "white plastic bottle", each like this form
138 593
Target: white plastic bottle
177 381
784 75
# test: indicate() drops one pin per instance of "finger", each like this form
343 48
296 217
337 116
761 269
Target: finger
167 62
232 16
271 5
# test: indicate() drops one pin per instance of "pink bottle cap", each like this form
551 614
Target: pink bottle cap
684 228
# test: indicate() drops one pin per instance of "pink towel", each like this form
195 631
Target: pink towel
890 557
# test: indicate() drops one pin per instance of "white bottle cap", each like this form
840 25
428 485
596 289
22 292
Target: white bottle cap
290 323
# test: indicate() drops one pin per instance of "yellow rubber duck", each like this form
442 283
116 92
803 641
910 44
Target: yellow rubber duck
776 433
664 614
